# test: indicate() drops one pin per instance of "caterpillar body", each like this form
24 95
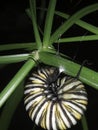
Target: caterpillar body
53 99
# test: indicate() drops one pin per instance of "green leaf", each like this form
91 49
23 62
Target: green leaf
78 38
29 14
35 27
67 24
7 59
34 7
81 23
13 84
15 46
49 22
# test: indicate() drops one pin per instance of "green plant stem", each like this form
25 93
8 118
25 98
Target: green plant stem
87 76
49 22
81 23
29 14
84 123
67 24
10 107
14 46
34 22
34 7
79 38
42 12
13 58
21 74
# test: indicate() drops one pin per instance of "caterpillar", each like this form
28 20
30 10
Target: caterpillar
53 99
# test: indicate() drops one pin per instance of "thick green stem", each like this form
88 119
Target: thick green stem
87 76
21 74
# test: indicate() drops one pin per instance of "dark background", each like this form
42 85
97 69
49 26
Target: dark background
16 27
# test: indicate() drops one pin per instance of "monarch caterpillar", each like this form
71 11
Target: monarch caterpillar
53 99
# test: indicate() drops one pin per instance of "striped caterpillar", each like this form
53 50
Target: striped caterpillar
53 99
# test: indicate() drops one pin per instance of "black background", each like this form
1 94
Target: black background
16 27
